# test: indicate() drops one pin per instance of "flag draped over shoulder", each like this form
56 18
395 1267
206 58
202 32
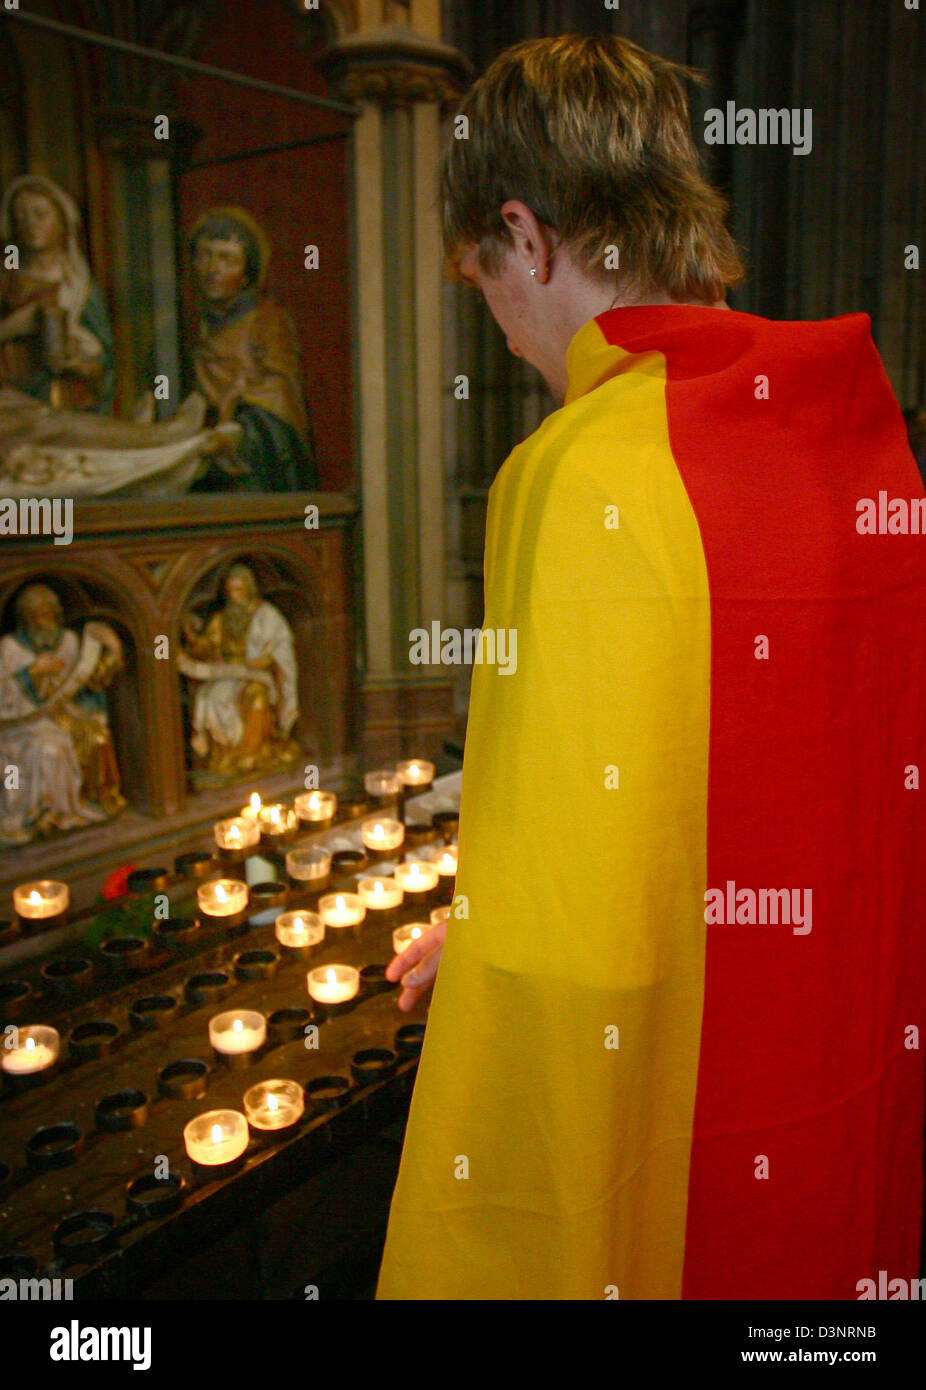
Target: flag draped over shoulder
649 1072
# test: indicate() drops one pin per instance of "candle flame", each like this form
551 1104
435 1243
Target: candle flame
448 861
378 832
315 801
414 871
298 924
414 770
339 903
35 898
415 933
331 977
378 887
255 802
216 1134
30 1044
275 815
238 1026
220 894
234 833
272 1103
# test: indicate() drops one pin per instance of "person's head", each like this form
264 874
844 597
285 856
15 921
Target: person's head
578 161
39 616
227 256
39 222
241 586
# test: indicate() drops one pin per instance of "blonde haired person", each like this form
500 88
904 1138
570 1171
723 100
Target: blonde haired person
665 1055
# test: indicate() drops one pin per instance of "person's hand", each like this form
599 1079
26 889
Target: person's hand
417 966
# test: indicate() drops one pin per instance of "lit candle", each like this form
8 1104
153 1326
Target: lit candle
38 901
237 1031
217 1137
383 835
413 876
240 832
341 909
415 772
299 929
380 894
274 1104
403 937
316 806
383 784
439 914
277 822
36 1049
333 984
444 856
252 810
222 897
308 865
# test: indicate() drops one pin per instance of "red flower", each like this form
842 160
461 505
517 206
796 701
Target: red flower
117 883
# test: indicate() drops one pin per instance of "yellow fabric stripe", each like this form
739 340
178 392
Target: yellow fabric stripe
540 1163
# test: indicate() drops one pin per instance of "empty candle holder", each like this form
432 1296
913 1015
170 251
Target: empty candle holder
373 979
175 932
148 881
207 986
383 786
327 1092
266 898
409 1039
85 1235
185 1079
153 1011
299 932
274 1106
237 1036
55 1146
125 952
68 975
420 832
42 905
372 1064
93 1039
309 869
447 822
148 1197
196 863
316 810
122 1110
256 965
29 1054
216 1142
15 999
354 807
345 865
286 1024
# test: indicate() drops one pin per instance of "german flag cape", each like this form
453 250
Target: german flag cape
675 1049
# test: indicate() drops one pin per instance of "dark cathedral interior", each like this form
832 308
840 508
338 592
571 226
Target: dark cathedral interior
249 425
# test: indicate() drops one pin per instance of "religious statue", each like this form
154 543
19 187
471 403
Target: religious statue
247 359
58 767
55 336
244 665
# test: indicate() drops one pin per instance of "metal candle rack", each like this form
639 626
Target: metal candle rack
94 1177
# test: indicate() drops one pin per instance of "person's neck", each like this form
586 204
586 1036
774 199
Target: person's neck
44 261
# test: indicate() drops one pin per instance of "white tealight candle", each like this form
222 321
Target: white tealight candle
413 876
439 914
341 909
216 1137
252 810
307 865
415 772
316 805
382 834
238 1030
274 1104
47 898
378 894
333 984
277 820
299 929
382 783
29 1050
443 856
222 897
240 832
403 937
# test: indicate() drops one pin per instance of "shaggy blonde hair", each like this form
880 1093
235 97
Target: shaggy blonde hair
593 134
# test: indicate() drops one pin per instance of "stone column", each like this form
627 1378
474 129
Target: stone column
401 79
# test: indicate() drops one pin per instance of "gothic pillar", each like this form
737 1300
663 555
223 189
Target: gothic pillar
400 78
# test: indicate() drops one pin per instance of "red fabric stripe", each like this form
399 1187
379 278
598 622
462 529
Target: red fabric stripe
802 1049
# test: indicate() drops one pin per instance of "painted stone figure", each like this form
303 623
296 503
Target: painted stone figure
244 665
54 728
247 359
55 335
